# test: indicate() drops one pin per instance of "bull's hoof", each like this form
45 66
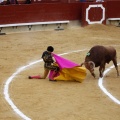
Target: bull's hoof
101 76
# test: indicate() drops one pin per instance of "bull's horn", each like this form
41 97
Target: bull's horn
92 64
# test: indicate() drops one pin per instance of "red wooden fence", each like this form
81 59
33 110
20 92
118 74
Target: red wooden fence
87 12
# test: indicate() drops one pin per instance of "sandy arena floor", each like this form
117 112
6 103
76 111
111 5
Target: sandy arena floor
45 100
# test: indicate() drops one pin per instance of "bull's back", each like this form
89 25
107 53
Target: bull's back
98 53
111 54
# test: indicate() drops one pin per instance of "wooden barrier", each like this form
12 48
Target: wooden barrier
34 23
113 12
71 10
30 13
113 21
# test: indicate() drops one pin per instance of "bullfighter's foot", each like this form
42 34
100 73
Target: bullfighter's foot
34 77
29 77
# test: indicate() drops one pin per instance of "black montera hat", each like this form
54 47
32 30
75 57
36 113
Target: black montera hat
50 49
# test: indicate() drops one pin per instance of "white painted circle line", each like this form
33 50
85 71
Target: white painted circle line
100 84
9 80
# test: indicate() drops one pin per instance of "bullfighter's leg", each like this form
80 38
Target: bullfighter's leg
116 66
46 71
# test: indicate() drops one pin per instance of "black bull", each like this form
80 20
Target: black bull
98 56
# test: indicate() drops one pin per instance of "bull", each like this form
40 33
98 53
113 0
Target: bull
98 56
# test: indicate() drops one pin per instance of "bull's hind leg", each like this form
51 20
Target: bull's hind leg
116 66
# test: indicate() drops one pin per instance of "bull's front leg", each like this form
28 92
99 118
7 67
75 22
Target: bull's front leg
100 72
101 69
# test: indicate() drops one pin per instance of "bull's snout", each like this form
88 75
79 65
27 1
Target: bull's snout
90 66
93 74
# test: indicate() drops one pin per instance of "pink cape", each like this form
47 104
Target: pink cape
64 63
66 68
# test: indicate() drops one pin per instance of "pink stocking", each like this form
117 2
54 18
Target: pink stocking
34 77
51 77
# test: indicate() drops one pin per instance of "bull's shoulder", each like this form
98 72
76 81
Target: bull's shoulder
110 48
97 50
